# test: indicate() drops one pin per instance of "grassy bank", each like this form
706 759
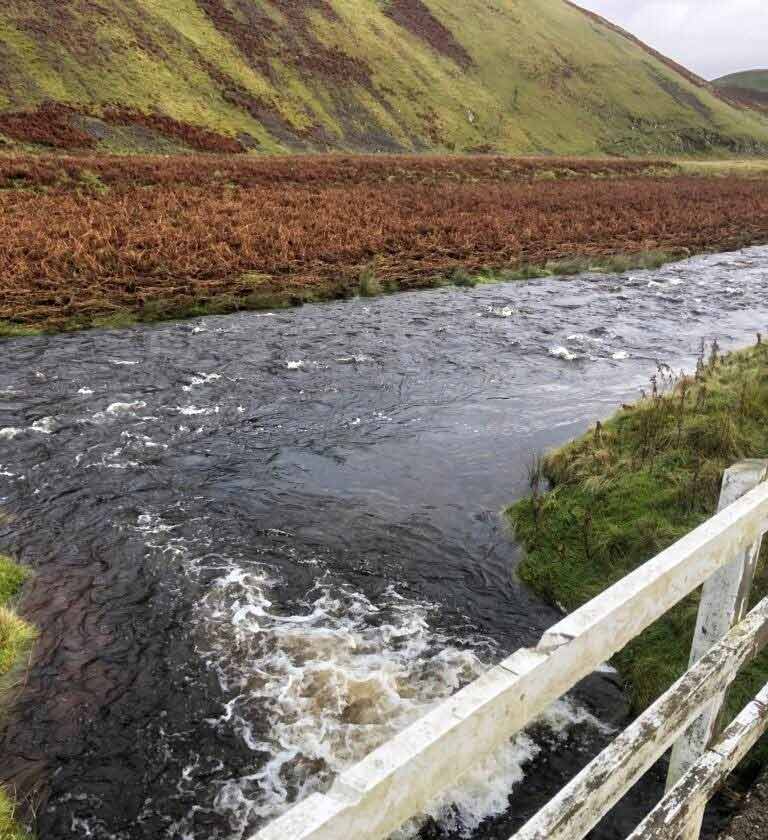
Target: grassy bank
15 640
634 485
751 168
368 284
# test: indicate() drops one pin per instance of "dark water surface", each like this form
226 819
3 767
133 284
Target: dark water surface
265 543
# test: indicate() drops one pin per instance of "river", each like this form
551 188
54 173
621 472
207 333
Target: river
265 542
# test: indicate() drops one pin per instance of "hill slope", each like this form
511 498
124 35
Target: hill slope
748 80
749 88
513 76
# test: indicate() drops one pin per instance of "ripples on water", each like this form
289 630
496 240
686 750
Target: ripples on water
315 691
266 543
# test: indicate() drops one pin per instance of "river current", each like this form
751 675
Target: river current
263 543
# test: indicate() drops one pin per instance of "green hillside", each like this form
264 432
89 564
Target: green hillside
748 80
517 76
748 89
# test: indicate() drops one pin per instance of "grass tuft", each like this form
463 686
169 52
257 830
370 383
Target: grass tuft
10 330
634 485
463 279
16 638
9 828
369 284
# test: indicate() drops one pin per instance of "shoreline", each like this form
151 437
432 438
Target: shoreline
16 640
97 242
612 499
368 284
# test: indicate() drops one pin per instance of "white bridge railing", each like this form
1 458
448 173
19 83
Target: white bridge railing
395 782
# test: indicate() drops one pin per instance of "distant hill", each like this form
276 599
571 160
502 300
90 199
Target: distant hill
540 76
749 88
748 80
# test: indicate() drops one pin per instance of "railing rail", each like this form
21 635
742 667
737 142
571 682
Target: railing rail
677 815
581 804
400 778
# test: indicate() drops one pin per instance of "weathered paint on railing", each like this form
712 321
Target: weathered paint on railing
724 602
396 781
671 819
600 785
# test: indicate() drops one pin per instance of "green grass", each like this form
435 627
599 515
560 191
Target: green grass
571 84
10 330
369 284
9 828
750 168
16 637
749 80
466 280
634 485
605 264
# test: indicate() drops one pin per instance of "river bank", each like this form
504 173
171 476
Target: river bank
606 503
368 284
108 242
15 639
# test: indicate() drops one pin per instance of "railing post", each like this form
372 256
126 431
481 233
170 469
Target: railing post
724 603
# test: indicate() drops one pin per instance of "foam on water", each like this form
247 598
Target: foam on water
123 407
194 411
201 379
142 441
563 353
333 679
484 791
44 426
358 359
500 311
114 461
313 688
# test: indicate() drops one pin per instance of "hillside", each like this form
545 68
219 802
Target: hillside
747 80
540 76
749 88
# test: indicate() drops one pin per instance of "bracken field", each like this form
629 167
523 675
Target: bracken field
96 240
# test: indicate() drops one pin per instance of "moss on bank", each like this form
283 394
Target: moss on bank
367 284
16 637
634 485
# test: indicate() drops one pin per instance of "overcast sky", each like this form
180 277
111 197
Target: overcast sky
711 37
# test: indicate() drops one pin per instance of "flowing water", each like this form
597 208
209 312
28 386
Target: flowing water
264 543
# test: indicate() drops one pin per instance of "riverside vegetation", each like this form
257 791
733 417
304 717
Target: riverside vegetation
16 637
634 485
104 241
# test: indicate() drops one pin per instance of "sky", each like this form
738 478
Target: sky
710 37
